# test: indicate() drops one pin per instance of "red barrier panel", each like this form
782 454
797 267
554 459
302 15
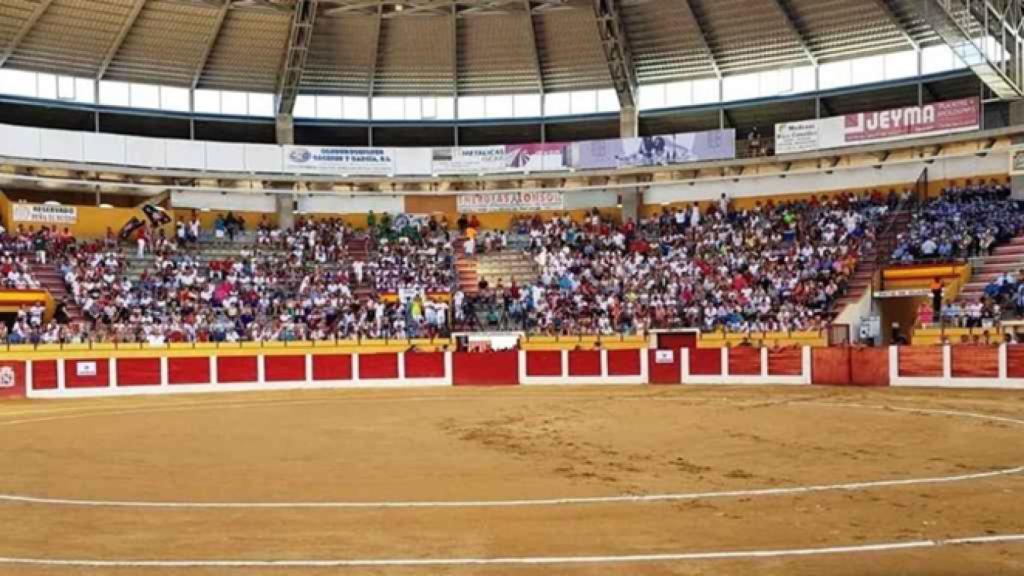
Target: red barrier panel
920 361
785 362
378 366
424 365
188 371
677 340
850 366
138 371
12 379
1015 361
44 375
745 361
706 362
332 367
624 362
544 363
869 366
664 372
284 368
237 369
86 373
831 366
974 361
584 362
485 368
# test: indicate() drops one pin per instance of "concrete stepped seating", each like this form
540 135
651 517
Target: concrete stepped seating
1005 258
507 266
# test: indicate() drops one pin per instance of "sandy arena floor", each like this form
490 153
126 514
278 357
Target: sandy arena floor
517 481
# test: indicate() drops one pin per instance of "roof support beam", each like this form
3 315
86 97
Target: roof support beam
796 28
26 27
964 26
211 41
702 37
455 55
891 16
616 51
531 29
374 50
126 27
294 63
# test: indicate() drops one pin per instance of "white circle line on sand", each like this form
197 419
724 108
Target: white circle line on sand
627 498
567 501
522 560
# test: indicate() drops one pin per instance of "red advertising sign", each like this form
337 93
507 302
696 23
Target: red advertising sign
12 380
915 120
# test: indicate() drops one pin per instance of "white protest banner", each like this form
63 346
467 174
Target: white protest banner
509 201
339 160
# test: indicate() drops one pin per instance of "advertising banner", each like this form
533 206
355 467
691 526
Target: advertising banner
938 117
45 214
498 159
339 160
653 150
792 137
882 126
509 201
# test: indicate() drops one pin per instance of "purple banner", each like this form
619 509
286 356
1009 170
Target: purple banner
653 150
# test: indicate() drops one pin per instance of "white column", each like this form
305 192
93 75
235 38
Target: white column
565 364
309 368
213 369
522 367
1003 362
764 362
60 374
355 367
165 371
725 361
604 363
645 361
806 365
449 374
111 372
947 363
894 364
684 365
261 369
401 365
28 377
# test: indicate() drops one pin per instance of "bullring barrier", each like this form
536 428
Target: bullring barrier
151 372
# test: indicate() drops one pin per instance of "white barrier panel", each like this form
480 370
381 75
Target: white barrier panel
103 148
60 145
146 152
263 158
763 379
225 157
948 380
20 141
186 154
215 385
565 378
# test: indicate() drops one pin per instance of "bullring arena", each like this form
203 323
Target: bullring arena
512 287
639 479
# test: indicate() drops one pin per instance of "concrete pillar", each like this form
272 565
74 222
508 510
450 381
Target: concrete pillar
629 122
630 200
1017 119
284 125
285 210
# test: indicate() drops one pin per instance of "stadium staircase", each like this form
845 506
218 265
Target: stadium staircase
873 260
1005 258
511 264
52 281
